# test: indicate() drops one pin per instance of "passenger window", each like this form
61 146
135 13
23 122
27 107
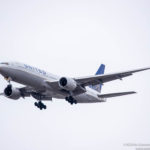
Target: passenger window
4 63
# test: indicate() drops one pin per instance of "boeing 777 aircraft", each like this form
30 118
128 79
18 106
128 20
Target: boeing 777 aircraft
45 86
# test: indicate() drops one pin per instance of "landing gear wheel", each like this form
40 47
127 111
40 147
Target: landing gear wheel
71 100
36 104
40 105
75 102
44 107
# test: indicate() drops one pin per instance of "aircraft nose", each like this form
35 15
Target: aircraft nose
2 68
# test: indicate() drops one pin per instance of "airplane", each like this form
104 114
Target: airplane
44 86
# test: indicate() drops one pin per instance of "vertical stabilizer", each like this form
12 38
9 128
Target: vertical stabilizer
100 70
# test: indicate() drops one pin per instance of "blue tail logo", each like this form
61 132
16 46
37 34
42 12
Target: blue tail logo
100 70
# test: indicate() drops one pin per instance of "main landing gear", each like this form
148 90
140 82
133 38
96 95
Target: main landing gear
40 105
71 100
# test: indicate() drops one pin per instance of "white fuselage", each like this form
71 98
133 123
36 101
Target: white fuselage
34 77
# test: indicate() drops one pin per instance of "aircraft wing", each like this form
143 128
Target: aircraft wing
92 80
55 85
26 91
115 94
100 79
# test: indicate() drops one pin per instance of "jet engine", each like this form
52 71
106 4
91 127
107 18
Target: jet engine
67 84
12 93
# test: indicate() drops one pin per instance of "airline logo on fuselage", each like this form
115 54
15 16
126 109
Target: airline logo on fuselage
35 69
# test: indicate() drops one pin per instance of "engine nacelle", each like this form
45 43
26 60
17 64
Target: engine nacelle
12 93
67 84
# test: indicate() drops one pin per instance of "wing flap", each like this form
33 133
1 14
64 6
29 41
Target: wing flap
115 94
26 91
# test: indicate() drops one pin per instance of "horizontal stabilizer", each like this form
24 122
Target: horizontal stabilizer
115 94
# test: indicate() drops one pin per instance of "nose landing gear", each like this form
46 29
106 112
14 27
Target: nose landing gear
8 79
40 105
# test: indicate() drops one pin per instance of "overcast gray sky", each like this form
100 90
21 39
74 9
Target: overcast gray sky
72 38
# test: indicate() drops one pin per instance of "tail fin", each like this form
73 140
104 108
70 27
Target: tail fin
100 70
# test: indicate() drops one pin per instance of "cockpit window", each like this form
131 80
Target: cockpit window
4 63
